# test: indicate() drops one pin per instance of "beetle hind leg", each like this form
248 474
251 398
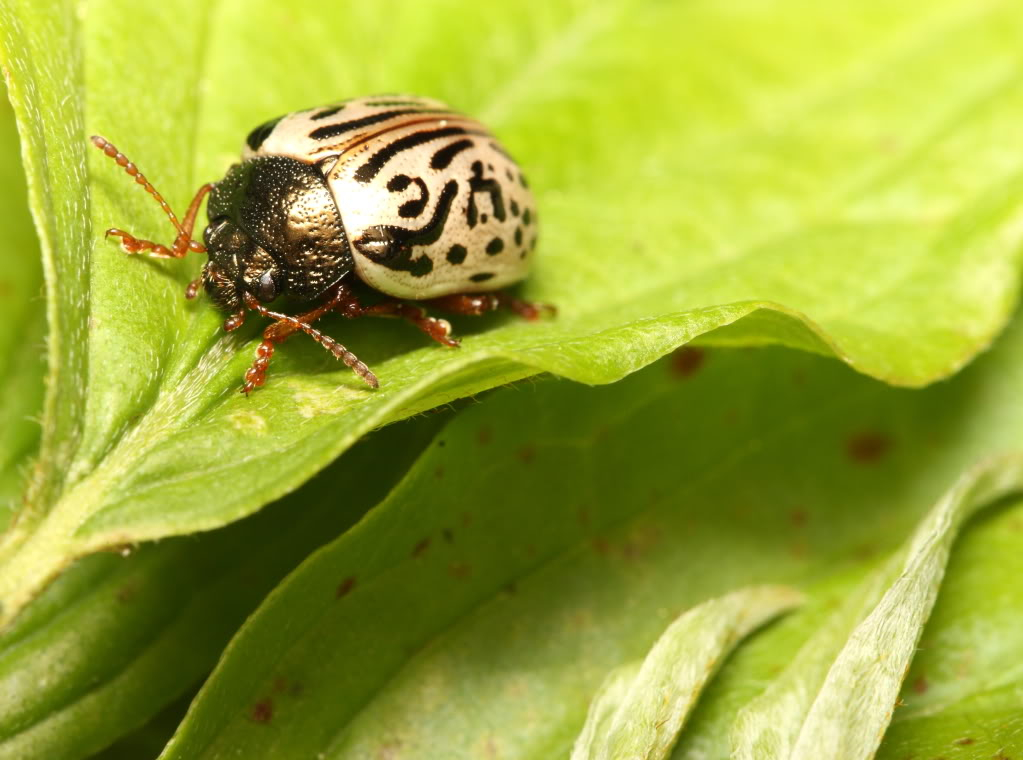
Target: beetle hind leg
437 329
476 304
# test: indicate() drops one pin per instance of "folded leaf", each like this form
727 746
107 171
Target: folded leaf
640 709
838 695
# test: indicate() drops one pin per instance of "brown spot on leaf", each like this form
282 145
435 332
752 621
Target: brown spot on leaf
686 361
526 454
583 516
798 517
484 436
263 711
920 685
127 592
965 741
601 546
867 447
460 570
389 751
419 549
466 519
345 586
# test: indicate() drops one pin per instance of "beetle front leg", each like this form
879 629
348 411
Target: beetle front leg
285 326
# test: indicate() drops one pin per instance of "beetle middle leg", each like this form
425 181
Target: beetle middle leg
285 326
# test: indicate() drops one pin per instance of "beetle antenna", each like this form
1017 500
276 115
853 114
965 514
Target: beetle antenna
183 243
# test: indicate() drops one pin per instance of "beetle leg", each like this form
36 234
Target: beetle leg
475 304
284 327
183 243
438 329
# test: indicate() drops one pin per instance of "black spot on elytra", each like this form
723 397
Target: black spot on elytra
482 276
457 254
495 246
479 184
522 180
483 218
527 217
514 208
518 236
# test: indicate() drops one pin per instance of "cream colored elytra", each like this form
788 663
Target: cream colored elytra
430 202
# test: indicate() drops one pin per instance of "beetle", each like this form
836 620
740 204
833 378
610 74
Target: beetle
394 196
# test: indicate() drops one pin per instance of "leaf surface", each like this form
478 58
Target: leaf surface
21 321
117 638
551 534
777 189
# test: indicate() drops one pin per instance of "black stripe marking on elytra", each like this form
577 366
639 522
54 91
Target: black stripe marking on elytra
495 246
397 253
481 276
457 253
443 157
392 103
334 130
500 150
376 162
258 136
326 112
413 208
477 184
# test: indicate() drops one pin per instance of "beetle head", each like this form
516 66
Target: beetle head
237 265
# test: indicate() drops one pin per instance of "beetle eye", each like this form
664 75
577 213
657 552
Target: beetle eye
266 289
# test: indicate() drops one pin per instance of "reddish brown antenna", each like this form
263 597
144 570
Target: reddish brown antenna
183 243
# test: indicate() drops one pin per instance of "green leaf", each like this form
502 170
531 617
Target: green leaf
116 639
641 706
831 179
21 322
960 698
962 693
838 695
551 534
